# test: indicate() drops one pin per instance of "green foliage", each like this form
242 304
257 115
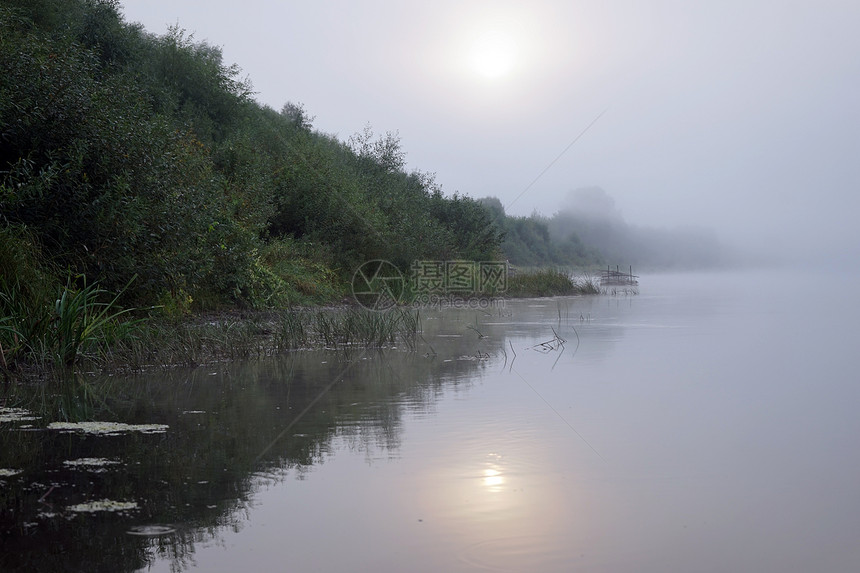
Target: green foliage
81 320
302 278
473 233
26 283
43 322
174 305
110 188
126 154
362 327
549 282
25 324
193 84
318 198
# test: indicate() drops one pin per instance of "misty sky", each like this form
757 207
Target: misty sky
743 116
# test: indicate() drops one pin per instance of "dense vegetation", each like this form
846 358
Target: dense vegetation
133 159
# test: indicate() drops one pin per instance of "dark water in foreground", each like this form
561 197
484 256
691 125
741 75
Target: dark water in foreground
707 424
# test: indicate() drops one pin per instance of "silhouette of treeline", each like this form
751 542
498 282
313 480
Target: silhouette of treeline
591 214
125 153
527 241
590 230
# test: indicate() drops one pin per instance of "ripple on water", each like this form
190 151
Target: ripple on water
151 530
510 554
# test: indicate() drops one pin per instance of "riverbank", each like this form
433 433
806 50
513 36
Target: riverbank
153 343
85 331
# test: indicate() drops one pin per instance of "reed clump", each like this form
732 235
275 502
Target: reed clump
47 324
85 331
350 327
61 331
224 338
550 282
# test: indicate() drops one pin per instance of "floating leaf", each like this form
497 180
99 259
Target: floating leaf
107 428
103 505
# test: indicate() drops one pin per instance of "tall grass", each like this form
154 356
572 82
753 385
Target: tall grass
352 327
82 321
60 332
376 329
47 324
159 344
550 282
293 331
53 325
588 285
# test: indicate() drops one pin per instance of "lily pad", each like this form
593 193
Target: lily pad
107 428
16 415
92 464
103 505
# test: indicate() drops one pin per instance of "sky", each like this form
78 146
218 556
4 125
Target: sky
739 116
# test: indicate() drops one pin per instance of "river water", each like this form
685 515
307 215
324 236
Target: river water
708 423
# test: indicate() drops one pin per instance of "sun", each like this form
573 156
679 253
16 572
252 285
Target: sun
493 54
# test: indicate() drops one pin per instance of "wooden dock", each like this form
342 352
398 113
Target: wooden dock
618 277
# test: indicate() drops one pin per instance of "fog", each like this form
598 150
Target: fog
735 118
592 215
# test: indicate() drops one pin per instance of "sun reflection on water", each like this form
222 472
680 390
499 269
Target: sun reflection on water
506 515
493 479
493 475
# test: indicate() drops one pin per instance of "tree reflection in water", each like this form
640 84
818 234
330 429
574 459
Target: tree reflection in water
226 438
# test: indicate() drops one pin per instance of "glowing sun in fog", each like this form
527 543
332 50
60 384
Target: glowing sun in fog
493 55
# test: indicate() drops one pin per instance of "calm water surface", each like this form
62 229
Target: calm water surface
707 424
